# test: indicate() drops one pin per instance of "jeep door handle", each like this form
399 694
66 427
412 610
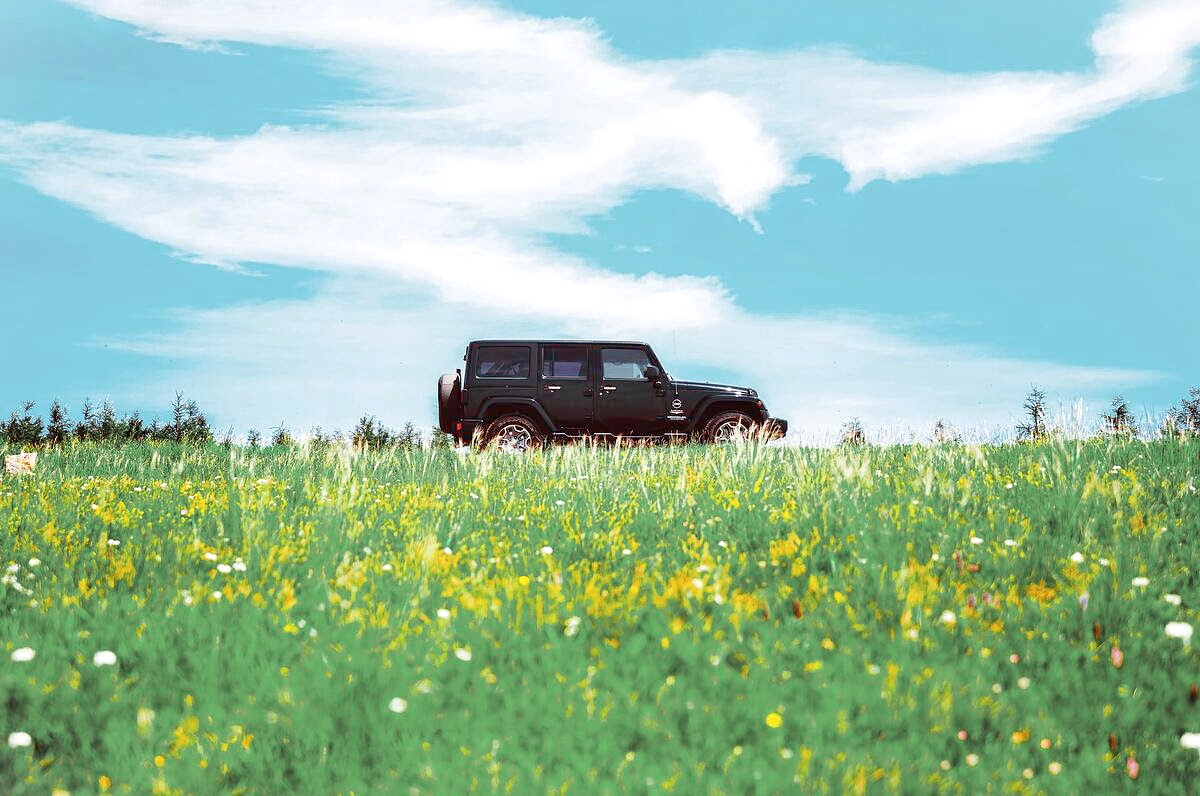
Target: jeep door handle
608 388
553 388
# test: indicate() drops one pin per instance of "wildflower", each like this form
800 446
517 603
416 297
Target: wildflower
972 759
239 565
945 764
559 503
33 562
386 567
1103 562
217 595
462 653
1023 683
626 552
774 720
949 618
23 654
976 540
210 556
1014 658
1118 657
1027 773
1010 542
398 705
1132 768
1190 740
997 688
1077 557
547 550
963 735
104 658
1173 599
1179 630
1009 485
1141 582
571 627
443 613
18 739
183 512
1083 601
1054 768
1045 743
224 569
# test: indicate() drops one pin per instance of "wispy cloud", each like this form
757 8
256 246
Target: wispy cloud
487 130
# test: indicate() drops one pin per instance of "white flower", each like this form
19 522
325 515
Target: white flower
1010 542
1077 557
183 512
239 565
948 617
18 739
187 598
559 503
547 550
1141 581
114 542
972 759
976 540
33 562
23 654
210 556
443 613
722 543
1179 630
224 569
1103 562
386 567
935 557
626 552
1023 682
1173 599
13 569
104 658
447 551
398 705
1009 485
697 584
572 626
217 595
1190 740
462 653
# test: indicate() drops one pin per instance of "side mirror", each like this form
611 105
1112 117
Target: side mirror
652 373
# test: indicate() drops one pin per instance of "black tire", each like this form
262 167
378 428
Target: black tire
449 402
728 427
515 433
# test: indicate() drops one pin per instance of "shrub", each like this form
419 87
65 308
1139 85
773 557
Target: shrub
1184 420
853 434
1121 423
22 430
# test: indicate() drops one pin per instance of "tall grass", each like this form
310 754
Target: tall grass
698 619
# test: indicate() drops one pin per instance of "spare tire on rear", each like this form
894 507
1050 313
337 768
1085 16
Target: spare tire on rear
449 402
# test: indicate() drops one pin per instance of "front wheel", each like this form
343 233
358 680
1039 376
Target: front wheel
513 433
729 427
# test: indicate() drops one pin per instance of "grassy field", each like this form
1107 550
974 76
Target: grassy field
703 620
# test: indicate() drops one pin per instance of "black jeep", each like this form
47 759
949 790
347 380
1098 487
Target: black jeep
521 393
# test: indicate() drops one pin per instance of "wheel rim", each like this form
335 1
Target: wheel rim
730 431
514 437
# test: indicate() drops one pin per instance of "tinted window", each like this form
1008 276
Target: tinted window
624 363
564 362
502 362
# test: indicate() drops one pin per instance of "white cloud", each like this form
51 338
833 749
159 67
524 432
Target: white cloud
486 130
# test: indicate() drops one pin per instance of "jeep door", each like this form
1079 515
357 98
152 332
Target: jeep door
565 386
628 403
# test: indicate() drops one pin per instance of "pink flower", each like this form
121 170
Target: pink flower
1132 767
1118 657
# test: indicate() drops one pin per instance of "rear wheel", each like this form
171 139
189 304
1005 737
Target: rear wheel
729 427
513 433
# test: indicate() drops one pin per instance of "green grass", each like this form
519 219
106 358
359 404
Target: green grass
721 620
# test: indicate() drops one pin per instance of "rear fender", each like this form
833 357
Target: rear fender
497 406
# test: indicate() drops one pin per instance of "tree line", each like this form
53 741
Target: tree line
100 423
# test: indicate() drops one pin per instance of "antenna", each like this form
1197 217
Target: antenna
674 353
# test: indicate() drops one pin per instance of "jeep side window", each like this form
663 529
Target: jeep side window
623 364
502 362
564 362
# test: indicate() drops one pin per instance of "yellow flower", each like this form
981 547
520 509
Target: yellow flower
774 720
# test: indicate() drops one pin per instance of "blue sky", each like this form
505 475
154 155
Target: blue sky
894 213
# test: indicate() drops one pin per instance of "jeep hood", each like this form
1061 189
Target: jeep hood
708 386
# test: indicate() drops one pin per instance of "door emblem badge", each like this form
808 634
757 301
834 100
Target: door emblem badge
676 403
